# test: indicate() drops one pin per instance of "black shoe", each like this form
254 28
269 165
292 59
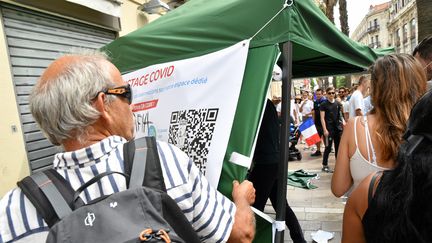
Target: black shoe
316 154
326 169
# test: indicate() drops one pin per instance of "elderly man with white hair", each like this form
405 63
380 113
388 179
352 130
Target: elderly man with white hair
82 103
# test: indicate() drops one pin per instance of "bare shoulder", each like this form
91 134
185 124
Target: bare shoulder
359 198
354 211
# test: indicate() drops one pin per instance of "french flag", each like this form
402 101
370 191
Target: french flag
309 132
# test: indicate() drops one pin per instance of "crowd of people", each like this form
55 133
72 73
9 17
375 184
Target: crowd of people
380 130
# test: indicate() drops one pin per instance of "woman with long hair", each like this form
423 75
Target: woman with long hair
394 206
369 143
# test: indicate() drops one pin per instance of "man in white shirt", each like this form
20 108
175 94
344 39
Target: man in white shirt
306 107
367 104
293 110
343 93
356 103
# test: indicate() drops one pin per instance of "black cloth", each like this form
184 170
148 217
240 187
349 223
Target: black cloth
317 114
267 147
374 224
332 117
264 179
265 168
320 130
334 136
371 221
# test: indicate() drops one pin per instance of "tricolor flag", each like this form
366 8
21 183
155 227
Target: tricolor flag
309 132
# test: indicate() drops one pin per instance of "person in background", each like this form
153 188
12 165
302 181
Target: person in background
82 103
332 123
370 143
367 103
343 93
293 111
306 106
317 120
423 53
394 206
297 103
265 166
277 102
356 105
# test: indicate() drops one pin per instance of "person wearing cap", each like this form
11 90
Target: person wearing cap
394 206
423 53
297 103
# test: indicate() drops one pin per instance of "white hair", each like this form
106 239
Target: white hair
62 104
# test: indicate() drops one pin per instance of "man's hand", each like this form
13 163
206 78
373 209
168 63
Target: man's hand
326 132
243 230
243 191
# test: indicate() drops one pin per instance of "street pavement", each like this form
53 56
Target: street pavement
316 209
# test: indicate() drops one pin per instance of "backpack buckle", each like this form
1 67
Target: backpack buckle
148 234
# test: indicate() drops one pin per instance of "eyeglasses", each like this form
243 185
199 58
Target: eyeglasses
331 93
124 91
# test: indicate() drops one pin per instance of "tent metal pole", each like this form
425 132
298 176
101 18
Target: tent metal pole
284 139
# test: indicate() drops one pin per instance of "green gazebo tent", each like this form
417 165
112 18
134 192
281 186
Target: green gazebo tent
201 26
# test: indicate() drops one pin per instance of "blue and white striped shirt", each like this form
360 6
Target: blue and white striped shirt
210 213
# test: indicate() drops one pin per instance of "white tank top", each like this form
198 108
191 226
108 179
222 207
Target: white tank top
361 167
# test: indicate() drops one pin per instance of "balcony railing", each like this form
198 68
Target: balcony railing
373 28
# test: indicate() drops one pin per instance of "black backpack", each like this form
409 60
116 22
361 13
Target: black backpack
142 213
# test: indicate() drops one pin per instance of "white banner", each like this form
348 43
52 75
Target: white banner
191 103
110 7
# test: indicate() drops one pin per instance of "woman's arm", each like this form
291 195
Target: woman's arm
352 230
342 179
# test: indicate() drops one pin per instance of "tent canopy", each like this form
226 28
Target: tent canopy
199 27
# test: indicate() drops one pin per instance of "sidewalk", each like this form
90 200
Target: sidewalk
316 209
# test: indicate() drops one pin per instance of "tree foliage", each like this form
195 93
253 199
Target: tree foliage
343 17
424 10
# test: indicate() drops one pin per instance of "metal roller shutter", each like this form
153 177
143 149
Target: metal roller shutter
34 40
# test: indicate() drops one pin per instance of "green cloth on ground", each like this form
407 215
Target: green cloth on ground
302 179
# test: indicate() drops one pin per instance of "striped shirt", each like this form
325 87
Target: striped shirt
209 212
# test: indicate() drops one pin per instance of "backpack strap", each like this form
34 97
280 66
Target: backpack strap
139 163
372 186
150 170
144 153
50 193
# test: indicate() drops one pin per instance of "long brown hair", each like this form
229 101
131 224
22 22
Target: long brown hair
397 82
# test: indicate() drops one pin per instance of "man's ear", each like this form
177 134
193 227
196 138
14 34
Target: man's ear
99 104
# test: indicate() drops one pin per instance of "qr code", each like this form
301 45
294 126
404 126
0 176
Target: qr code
192 131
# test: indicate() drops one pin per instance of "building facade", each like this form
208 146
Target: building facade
390 24
32 34
402 25
372 30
